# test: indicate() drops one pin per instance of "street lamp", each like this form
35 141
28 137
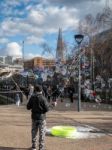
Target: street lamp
23 53
78 39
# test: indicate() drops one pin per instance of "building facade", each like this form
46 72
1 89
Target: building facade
2 59
9 60
39 62
6 60
18 61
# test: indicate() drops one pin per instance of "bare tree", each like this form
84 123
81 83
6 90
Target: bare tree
46 49
99 51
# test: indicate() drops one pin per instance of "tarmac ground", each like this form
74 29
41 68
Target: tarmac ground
15 127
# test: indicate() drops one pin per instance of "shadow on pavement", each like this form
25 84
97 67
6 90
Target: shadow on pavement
12 148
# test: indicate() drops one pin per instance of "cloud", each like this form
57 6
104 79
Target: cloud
7 7
13 49
43 18
18 27
3 40
83 6
31 55
56 17
70 3
34 40
38 19
40 22
16 8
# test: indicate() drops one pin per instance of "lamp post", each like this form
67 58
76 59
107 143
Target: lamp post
23 53
78 39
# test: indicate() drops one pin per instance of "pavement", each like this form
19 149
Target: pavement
15 127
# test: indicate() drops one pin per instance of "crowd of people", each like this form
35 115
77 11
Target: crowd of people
57 87
54 92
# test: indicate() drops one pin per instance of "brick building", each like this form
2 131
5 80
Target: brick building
39 62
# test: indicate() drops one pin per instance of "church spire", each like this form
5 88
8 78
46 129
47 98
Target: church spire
60 46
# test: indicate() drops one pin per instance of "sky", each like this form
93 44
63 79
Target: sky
37 21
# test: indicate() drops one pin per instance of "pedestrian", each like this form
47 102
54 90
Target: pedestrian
49 94
55 93
39 106
71 92
98 99
17 99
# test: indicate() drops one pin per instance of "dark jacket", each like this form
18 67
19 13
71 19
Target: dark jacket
39 106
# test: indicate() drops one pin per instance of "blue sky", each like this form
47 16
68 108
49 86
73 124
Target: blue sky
38 21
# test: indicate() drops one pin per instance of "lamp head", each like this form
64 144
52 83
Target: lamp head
79 38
